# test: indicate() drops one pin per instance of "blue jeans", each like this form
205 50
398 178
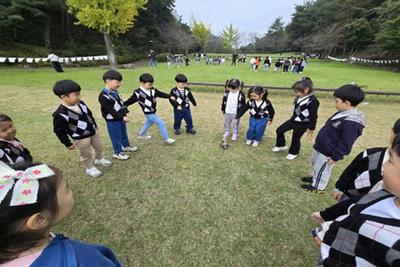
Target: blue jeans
153 118
153 63
185 114
118 135
256 128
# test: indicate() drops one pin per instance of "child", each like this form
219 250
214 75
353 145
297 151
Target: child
365 230
261 113
181 102
304 118
337 136
115 114
365 171
26 220
12 151
73 118
232 102
146 96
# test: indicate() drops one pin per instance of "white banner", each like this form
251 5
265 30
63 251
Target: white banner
12 59
38 59
337 59
2 59
20 59
61 59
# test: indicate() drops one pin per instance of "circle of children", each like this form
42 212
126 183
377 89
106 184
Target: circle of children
363 228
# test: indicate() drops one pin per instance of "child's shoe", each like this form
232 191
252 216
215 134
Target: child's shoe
144 137
177 132
234 137
93 172
248 142
290 156
255 144
279 148
191 131
102 162
120 156
129 148
169 141
311 188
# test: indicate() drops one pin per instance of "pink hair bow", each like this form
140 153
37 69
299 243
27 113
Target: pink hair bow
26 184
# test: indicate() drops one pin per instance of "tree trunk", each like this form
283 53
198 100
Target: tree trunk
47 42
68 26
110 51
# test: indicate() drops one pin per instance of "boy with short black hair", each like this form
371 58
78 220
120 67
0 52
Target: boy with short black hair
115 114
146 95
73 118
336 138
181 102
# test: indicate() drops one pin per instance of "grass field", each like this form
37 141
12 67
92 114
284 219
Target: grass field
193 204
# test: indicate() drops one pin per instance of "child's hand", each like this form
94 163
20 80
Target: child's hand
330 161
337 195
172 98
309 133
316 217
71 147
269 122
179 108
126 119
317 241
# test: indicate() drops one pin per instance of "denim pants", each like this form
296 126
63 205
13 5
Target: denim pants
153 118
256 128
118 135
184 114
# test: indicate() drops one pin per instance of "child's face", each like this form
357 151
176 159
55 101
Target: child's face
255 96
113 84
233 90
72 98
7 130
180 85
147 85
342 105
391 174
65 201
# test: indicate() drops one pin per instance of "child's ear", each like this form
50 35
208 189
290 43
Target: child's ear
37 221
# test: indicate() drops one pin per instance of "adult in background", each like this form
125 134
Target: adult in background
153 59
55 60
234 58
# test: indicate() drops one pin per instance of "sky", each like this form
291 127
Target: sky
250 16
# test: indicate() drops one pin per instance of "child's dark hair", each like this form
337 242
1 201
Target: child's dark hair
181 78
112 75
146 78
14 238
396 126
234 84
396 145
302 84
4 117
65 87
350 92
259 91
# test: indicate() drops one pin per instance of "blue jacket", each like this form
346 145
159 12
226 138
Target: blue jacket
63 252
337 136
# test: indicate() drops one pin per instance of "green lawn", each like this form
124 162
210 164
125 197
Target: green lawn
193 203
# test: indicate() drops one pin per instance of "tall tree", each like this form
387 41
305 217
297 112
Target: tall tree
230 36
201 32
110 17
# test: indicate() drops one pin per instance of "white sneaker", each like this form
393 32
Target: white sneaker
120 156
291 157
103 162
255 144
144 137
279 148
169 141
129 148
93 172
248 142
234 137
